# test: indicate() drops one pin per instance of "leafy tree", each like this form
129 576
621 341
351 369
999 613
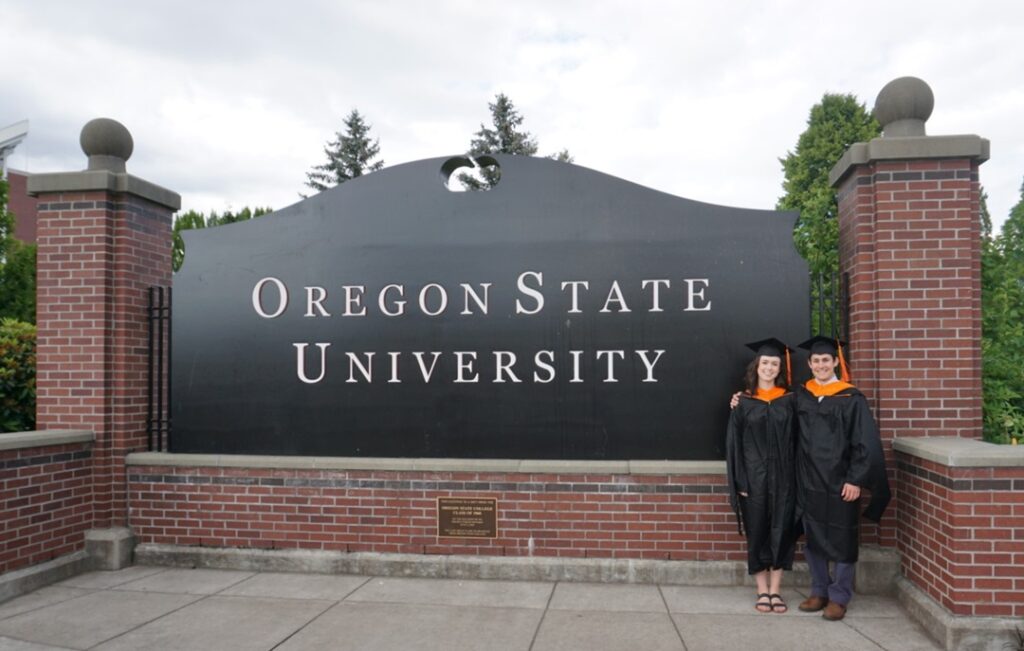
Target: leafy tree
193 219
350 155
17 376
17 268
184 222
834 124
503 137
1002 341
986 219
6 220
18 282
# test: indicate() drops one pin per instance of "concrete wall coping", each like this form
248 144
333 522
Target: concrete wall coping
43 438
103 180
29 579
544 466
960 452
909 148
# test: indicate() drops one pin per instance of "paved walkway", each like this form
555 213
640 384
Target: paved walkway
142 608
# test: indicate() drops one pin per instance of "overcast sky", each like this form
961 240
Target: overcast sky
230 103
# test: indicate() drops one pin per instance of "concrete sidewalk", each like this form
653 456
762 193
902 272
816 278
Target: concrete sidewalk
142 608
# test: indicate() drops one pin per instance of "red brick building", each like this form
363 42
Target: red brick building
21 205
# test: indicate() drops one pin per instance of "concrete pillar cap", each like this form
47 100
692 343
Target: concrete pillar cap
903 106
107 143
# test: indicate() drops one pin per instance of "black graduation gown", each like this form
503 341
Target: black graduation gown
760 443
839 443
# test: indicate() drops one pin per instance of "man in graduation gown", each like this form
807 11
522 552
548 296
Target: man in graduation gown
839 454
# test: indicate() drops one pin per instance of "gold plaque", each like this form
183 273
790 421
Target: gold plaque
465 517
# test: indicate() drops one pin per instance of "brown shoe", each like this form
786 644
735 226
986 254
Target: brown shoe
813 604
834 612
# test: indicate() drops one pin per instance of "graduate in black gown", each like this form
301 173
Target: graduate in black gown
760 448
839 453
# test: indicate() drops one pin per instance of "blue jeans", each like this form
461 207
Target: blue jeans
838 589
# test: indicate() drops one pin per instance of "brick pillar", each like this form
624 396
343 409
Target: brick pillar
909 238
104 238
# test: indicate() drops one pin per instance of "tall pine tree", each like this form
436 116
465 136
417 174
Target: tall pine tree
351 154
502 137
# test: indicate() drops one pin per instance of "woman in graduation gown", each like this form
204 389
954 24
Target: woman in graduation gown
760 450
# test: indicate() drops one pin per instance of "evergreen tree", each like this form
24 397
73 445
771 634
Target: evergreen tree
563 156
17 268
504 137
193 219
834 124
350 155
1002 341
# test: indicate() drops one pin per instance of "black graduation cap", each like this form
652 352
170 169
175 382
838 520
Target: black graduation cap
772 347
820 345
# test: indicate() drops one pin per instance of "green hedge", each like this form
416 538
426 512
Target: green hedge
17 376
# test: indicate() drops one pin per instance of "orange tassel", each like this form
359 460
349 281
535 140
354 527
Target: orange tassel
844 371
789 370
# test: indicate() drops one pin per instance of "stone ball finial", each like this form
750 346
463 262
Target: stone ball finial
903 106
107 143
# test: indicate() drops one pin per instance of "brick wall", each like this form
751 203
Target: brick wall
45 503
580 515
963 536
98 254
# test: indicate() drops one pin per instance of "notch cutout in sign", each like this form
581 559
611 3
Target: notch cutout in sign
469 174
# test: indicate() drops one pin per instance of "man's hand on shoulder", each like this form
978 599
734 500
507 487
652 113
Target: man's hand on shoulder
735 400
850 492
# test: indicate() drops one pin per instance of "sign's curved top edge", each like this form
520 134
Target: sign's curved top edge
512 163
532 186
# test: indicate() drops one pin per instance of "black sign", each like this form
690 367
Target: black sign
562 314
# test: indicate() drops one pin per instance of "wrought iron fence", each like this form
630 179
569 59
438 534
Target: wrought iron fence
830 305
158 412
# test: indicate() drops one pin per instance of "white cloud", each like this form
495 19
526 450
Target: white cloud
230 103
